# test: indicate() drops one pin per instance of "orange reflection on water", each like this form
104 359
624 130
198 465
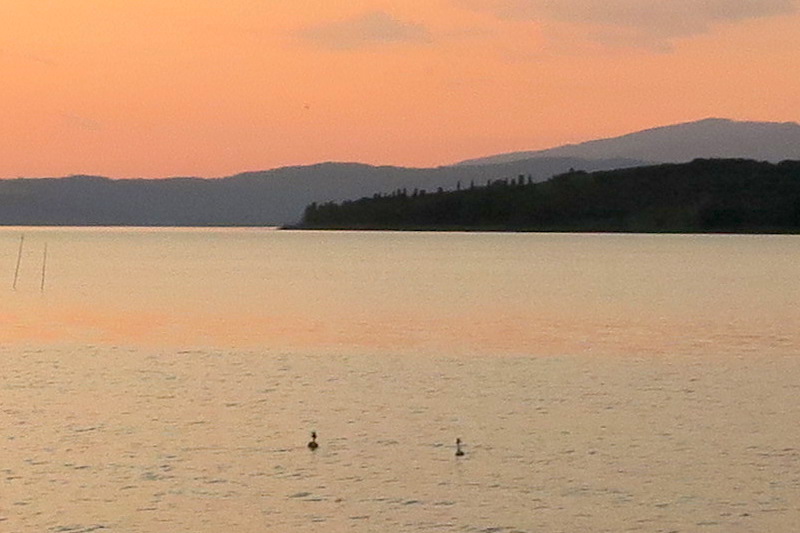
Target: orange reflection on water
388 332
449 293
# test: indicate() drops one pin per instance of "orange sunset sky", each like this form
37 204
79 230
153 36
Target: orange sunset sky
157 88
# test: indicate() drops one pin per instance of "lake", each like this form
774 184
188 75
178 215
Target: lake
168 380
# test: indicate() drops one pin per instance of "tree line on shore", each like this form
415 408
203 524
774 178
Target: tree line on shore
705 195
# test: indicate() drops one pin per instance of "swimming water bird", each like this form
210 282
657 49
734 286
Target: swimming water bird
459 451
313 444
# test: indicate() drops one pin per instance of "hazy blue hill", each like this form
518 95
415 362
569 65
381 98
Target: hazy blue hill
720 195
709 138
273 197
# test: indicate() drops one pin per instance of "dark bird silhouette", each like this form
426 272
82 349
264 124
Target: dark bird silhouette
313 444
459 451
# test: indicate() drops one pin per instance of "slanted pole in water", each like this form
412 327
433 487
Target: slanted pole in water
44 267
19 260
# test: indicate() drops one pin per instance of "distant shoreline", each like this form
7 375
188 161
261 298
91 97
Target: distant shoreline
476 229
735 196
415 229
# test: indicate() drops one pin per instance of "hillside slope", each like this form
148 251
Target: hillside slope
709 138
274 197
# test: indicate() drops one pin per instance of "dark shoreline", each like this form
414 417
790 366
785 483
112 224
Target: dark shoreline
476 229
425 229
734 196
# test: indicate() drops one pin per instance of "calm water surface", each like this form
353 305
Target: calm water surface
167 380
525 294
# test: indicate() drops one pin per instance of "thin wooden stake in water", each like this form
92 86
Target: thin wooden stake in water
44 267
19 259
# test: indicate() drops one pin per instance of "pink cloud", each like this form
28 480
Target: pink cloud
368 30
638 22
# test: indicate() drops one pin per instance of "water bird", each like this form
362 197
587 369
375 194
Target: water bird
313 444
459 451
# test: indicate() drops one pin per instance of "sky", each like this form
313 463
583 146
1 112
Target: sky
159 88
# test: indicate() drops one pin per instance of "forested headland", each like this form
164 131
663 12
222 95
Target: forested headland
705 195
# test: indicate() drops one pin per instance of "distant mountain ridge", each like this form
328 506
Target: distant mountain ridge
279 196
272 197
679 143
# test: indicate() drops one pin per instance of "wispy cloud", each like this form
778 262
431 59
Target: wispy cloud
369 30
80 122
645 22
